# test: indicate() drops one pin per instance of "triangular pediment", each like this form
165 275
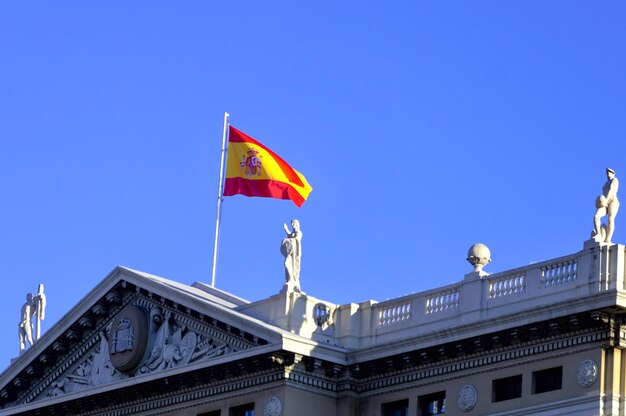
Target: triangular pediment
133 327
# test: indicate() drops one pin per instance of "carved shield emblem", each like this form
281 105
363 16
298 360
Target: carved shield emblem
128 339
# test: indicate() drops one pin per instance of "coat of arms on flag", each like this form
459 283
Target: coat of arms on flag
251 164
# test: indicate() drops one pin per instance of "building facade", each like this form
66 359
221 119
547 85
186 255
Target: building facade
544 339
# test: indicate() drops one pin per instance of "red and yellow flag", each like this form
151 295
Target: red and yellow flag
254 170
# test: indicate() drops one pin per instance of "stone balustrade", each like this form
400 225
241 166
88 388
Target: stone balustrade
527 289
558 273
510 284
442 301
394 313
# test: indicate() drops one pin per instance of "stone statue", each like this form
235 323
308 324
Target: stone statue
291 248
34 306
25 328
606 204
40 305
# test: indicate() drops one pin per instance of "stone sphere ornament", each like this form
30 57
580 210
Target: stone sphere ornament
479 256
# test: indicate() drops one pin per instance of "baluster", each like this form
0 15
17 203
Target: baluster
550 275
557 274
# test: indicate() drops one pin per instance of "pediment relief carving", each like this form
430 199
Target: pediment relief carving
156 347
143 334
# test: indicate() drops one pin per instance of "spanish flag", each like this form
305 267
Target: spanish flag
254 170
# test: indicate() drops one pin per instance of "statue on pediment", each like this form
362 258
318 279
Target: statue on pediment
291 248
35 306
25 328
607 205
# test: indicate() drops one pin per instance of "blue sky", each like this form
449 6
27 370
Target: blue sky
423 127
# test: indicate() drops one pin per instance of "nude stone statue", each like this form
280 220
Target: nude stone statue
291 248
25 328
606 204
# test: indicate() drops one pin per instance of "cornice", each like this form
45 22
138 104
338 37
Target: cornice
412 377
261 368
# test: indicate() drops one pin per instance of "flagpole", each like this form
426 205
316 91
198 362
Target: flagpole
220 197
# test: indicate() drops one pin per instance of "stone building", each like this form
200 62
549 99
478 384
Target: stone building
544 339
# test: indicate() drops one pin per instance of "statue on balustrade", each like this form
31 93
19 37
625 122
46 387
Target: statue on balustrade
291 248
607 205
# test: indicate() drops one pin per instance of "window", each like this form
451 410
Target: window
547 380
506 388
399 408
245 410
432 404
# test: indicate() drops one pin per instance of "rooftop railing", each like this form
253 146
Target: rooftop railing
539 285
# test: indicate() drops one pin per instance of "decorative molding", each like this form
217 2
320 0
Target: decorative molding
257 373
393 380
176 401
